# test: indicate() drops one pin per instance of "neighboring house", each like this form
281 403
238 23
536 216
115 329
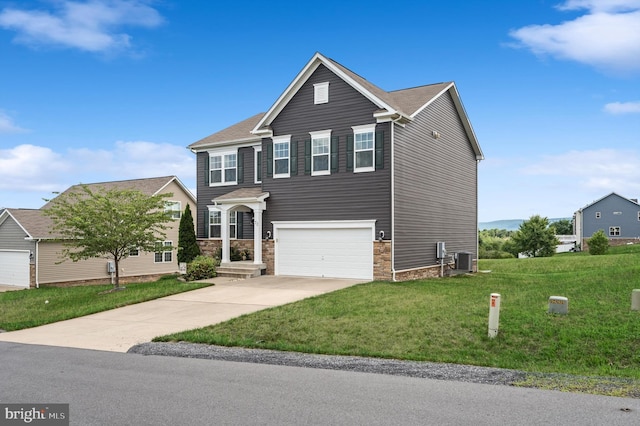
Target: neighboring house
340 178
30 253
617 216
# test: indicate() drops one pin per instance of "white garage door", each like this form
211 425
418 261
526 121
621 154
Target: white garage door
325 249
14 268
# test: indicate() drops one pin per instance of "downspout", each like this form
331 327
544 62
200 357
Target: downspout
393 204
36 263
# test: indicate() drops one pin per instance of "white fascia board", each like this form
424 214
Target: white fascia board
461 112
239 143
29 236
181 185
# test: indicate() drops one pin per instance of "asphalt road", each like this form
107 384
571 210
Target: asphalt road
106 388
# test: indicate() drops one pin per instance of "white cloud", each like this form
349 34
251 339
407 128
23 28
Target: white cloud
623 108
7 125
606 37
603 170
30 168
91 26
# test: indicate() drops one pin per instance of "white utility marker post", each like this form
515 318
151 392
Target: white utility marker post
494 315
635 300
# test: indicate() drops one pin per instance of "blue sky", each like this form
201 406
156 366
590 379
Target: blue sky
100 90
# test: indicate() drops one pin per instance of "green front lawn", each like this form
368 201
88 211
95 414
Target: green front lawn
33 307
446 320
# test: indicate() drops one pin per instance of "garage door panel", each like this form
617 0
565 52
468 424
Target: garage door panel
325 252
14 268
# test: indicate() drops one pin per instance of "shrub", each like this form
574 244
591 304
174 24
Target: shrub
201 268
598 243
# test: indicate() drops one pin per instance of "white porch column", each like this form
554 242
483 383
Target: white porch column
257 235
224 234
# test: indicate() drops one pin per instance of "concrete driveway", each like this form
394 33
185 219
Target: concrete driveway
119 329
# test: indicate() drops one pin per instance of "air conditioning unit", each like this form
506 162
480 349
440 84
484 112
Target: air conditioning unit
464 261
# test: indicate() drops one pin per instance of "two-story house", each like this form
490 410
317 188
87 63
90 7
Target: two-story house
30 254
617 216
340 178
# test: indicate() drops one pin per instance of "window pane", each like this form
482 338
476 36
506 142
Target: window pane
232 231
320 163
364 141
229 161
364 159
282 166
230 175
216 176
216 162
214 218
157 257
320 146
281 150
259 166
215 231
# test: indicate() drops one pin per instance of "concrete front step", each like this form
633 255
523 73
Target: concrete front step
240 270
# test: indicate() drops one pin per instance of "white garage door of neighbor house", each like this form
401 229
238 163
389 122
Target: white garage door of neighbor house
14 268
325 251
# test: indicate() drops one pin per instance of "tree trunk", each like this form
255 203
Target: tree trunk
116 282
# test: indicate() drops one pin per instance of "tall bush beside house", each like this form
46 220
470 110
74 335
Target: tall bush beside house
598 243
536 238
188 248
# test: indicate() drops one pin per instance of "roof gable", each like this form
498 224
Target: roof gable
148 186
32 221
400 106
613 194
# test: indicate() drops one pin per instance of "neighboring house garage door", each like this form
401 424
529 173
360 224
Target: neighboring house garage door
341 249
14 268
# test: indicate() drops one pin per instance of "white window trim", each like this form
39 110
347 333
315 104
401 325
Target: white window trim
136 250
613 229
321 134
282 139
232 222
367 128
598 215
222 170
167 243
321 93
639 216
173 211
256 163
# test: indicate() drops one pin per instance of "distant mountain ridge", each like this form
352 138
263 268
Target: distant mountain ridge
510 224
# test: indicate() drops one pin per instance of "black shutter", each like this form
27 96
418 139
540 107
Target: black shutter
293 158
349 153
379 150
334 154
307 157
259 166
239 222
207 172
206 224
240 169
269 159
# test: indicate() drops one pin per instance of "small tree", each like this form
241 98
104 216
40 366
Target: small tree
188 247
535 238
108 224
598 243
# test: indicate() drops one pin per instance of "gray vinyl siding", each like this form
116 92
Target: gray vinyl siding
207 193
344 195
435 187
12 237
627 220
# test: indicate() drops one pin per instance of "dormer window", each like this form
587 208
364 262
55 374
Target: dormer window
321 93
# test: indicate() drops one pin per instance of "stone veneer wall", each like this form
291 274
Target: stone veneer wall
269 256
210 247
382 261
